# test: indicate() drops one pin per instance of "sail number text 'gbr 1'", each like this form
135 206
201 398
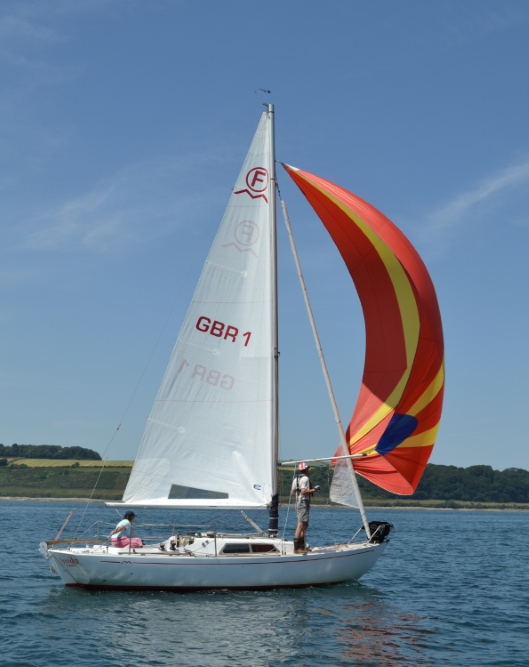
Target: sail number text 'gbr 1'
221 330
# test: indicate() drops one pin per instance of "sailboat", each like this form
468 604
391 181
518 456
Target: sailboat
211 440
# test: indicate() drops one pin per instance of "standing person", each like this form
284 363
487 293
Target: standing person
301 487
121 535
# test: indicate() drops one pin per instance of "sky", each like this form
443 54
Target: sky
123 126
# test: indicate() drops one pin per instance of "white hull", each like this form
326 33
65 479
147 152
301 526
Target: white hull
147 568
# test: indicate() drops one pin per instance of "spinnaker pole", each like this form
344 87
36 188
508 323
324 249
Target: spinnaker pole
274 505
337 419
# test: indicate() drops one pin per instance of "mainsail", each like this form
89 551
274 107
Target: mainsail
209 441
396 419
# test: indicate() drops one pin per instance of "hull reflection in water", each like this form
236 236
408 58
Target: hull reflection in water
374 635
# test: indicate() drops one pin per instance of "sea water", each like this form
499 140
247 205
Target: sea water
452 588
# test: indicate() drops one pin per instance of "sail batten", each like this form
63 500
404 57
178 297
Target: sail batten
397 414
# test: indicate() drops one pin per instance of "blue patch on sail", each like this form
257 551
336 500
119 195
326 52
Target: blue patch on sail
399 428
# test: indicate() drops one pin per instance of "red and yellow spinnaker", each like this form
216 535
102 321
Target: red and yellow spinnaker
397 414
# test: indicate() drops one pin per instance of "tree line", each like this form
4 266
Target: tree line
439 482
48 452
480 484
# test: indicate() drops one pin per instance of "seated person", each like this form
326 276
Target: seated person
121 533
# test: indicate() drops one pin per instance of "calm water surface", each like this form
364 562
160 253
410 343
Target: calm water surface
451 589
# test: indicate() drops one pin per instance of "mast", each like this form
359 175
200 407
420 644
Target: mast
274 505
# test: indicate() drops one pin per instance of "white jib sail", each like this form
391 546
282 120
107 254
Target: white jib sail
342 489
208 440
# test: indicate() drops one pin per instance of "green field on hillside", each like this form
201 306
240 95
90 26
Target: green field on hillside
64 482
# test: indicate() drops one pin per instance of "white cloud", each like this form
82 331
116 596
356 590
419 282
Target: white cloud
23 34
28 33
476 203
14 29
467 22
142 201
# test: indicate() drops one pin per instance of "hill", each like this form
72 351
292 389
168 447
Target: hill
480 484
440 485
73 480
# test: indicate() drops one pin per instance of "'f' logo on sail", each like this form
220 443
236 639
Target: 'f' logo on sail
246 234
257 182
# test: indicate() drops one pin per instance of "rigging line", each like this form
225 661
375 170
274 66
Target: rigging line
89 528
179 294
330 391
93 490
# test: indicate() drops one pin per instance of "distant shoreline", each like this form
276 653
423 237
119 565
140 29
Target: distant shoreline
494 508
441 487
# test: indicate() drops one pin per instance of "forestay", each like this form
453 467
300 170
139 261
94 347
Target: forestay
208 440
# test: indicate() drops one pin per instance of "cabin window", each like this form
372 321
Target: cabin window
263 548
236 548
